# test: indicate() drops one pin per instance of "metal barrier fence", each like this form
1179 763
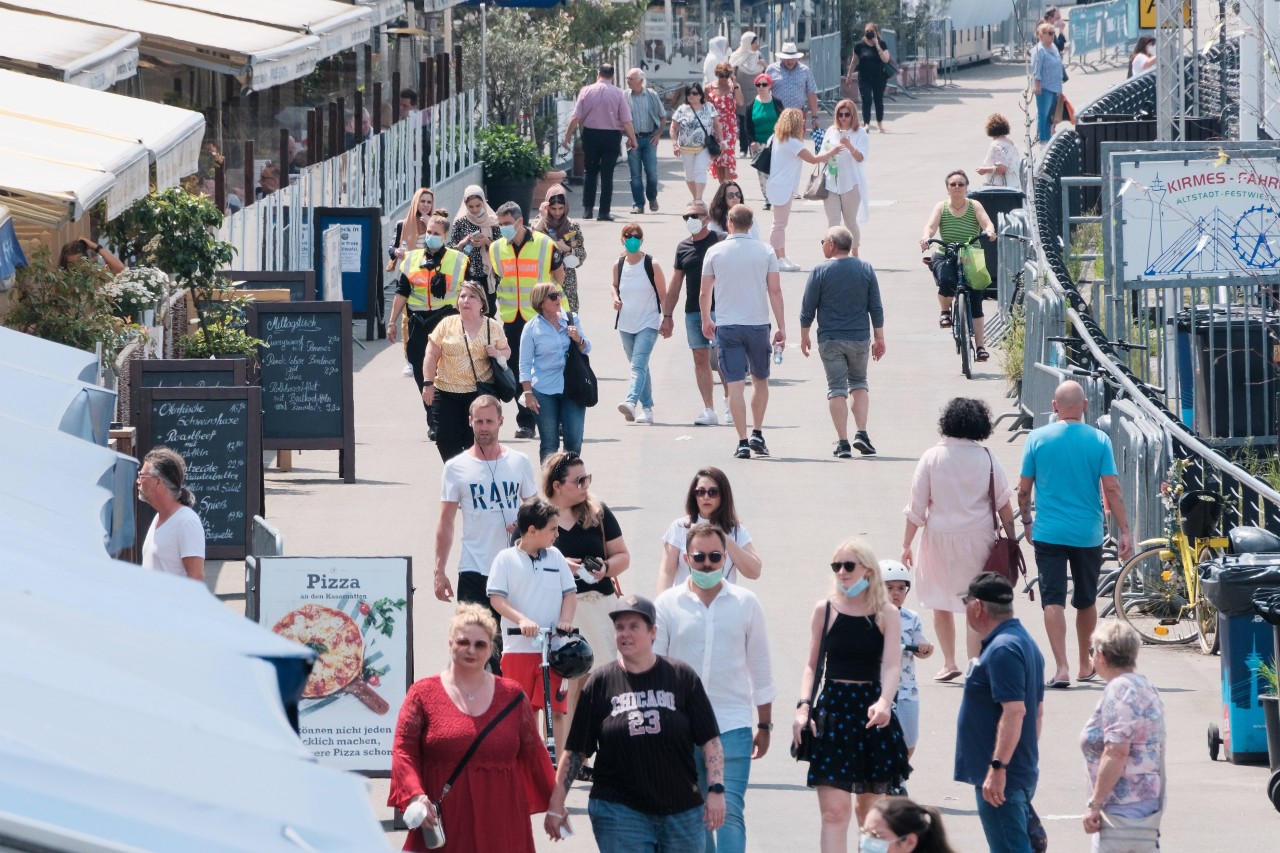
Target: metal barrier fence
1137 381
274 233
1102 33
824 62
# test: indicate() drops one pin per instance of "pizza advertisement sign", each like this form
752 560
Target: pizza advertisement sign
356 614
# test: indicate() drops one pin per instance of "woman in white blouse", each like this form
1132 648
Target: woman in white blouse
847 193
691 124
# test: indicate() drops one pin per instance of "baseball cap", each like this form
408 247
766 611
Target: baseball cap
635 604
990 586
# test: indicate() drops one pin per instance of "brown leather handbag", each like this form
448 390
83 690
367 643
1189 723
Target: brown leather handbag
1006 557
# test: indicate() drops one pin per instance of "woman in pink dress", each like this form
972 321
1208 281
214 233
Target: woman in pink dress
726 97
949 500
507 779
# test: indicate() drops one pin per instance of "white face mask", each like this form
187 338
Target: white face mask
693 226
1151 50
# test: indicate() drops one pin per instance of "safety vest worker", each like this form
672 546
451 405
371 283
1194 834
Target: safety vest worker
450 263
521 258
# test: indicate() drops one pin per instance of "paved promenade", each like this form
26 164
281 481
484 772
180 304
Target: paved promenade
797 504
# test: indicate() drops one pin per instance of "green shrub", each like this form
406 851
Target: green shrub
509 157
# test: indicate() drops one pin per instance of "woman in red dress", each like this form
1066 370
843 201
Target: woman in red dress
726 97
508 778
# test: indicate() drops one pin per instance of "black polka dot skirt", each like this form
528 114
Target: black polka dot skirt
850 756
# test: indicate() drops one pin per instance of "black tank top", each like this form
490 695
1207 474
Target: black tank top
855 647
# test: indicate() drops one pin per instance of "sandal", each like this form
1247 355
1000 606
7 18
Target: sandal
944 322
982 354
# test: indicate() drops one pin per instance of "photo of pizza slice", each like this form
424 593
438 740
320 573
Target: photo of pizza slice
335 637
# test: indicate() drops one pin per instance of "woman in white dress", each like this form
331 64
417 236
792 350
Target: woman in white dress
848 196
709 501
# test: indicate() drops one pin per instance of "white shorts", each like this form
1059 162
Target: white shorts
594 623
696 166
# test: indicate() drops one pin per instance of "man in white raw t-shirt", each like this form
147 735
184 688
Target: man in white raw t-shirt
741 274
487 483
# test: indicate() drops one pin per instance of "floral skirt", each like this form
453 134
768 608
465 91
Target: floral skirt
850 756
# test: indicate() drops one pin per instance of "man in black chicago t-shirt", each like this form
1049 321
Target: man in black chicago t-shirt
642 716
688 269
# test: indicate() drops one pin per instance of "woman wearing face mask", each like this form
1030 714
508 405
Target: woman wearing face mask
428 288
473 230
747 62
708 501
729 194
846 174
1143 58
638 290
870 61
898 825
691 124
861 751
553 220
543 345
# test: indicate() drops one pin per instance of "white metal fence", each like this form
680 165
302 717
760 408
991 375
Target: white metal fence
274 233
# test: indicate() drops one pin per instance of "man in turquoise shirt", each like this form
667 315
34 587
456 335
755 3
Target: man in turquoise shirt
1071 466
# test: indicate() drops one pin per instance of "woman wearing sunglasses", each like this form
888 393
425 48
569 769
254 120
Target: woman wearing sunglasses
590 539
544 344
957 220
709 501
858 748
846 173
729 194
761 115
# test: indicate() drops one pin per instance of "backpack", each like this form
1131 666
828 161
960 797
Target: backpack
617 282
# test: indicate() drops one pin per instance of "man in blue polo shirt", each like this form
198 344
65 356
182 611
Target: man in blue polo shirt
998 730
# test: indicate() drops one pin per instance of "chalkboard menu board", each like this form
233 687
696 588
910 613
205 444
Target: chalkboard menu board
217 431
183 373
306 373
301 284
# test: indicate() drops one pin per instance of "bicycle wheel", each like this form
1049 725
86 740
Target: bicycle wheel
1206 613
1151 596
963 333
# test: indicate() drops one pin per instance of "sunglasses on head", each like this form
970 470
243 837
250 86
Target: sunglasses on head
701 557
707 492
847 565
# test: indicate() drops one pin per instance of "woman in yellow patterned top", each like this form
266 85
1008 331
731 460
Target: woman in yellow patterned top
458 354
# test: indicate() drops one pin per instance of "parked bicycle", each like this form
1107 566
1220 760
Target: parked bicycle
961 315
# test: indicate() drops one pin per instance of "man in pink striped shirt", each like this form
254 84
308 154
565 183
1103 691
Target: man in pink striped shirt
604 115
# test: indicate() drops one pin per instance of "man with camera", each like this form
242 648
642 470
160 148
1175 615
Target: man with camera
718 629
429 281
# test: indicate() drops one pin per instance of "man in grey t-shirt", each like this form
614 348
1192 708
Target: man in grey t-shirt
845 296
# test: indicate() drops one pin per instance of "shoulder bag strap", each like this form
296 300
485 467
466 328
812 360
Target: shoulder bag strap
617 286
991 492
820 671
698 119
475 744
466 344
648 269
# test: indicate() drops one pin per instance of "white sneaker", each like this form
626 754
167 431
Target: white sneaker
628 410
707 418
408 370
643 415
788 265
728 416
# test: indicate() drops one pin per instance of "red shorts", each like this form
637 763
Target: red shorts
525 668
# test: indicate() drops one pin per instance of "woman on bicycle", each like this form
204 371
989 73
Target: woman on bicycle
957 220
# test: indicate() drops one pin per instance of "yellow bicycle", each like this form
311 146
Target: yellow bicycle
1158 590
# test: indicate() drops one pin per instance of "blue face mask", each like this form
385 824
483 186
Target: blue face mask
867 844
858 587
508 231
632 244
434 242
706 580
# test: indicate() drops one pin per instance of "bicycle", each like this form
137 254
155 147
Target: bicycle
1158 590
961 316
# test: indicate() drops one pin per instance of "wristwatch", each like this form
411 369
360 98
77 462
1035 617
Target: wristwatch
802 703
717 788
765 727
997 764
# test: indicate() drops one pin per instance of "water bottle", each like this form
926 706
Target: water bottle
777 353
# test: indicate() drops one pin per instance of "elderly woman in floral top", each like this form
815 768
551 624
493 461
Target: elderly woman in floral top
553 220
1123 743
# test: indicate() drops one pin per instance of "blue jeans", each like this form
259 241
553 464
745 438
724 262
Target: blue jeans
1046 104
1006 826
556 411
732 837
643 162
619 829
638 347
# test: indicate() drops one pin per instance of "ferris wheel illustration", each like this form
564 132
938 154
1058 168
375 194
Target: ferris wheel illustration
1256 237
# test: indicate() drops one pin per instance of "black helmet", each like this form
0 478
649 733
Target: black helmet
571 656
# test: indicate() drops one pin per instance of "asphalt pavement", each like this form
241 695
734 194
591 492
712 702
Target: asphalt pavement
799 503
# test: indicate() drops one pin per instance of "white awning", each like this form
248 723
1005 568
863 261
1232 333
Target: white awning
171 135
48 193
384 11
259 56
339 26
80 54
127 160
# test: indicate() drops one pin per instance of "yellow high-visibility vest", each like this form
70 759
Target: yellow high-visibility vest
453 265
518 273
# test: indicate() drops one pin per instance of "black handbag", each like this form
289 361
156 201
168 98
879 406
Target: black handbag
808 739
580 383
504 385
712 144
763 161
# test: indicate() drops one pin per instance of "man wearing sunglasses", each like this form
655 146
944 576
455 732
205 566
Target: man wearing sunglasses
688 268
718 629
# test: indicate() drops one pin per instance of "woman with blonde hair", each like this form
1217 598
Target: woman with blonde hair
789 152
846 175
858 746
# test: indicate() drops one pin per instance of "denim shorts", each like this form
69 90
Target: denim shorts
742 349
693 330
845 363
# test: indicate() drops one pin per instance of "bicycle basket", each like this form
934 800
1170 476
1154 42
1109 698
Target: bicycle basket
1199 511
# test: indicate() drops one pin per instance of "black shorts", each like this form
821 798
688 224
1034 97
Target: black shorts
944 274
1052 561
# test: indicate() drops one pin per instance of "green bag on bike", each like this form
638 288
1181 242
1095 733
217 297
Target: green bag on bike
974 259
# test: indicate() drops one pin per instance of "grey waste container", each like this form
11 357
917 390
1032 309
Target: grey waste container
1235 377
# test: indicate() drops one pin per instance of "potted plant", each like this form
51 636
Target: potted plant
512 166
1269 696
